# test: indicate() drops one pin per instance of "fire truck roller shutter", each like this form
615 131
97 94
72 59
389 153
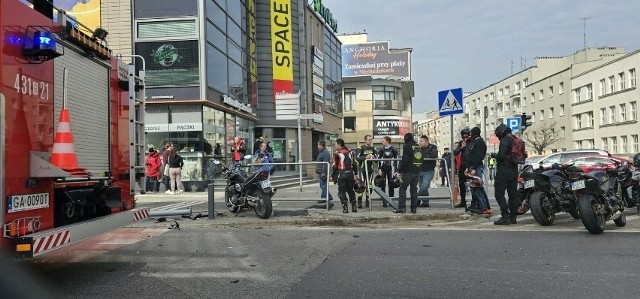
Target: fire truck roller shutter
88 105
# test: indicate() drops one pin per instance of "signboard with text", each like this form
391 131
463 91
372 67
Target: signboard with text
374 58
170 63
392 126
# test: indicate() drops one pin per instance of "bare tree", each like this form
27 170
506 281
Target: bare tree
541 135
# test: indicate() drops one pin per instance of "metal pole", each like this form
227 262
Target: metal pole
300 151
453 161
327 183
65 77
164 213
212 213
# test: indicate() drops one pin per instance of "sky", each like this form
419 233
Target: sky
474 43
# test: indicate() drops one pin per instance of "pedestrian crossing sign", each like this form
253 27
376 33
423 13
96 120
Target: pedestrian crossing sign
450 102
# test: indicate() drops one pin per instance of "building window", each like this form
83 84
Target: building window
491 111
632 78
349 124
526 82
603 116
551 112
533 117
605 144
500 92
349 99
561 109
612 114
590 119
517 86
614 144
507 90
612 84
541 94
623 82
491 96
563 132
623 144
384 97
623 112
589 92
576 121
561 88
486 97
533 97
550 91
541 114
576 95
633 114
634 139
603 88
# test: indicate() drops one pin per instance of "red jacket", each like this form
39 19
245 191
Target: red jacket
153 164
238 150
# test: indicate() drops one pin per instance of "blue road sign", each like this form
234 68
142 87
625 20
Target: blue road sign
514 123
450 102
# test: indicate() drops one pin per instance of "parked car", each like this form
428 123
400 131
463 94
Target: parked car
561 157
596 163
533 160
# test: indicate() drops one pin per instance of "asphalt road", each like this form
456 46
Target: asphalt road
297 262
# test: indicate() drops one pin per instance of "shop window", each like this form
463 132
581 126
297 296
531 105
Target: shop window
349 124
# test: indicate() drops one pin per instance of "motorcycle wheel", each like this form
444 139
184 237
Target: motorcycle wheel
593 222
621 221
263 206
541 208
227 200
575 213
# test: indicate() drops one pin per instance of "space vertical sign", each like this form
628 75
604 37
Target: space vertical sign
281 46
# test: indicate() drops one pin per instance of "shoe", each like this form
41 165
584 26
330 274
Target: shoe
476 211
400 211
487 212
168 192
330 205
354 208
514 221
360 205
150 192
502 221
321 201
414 210
424 205
175 192
180 191
345 208
461 205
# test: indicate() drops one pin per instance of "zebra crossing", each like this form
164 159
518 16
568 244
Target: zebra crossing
177 205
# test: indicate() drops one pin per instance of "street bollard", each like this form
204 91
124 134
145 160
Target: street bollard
211 213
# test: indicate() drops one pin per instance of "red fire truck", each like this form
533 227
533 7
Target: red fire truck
50 64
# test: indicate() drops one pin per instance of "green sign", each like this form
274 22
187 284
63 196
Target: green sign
326 15
277 149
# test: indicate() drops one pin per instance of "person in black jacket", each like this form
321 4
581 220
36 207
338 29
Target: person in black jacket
387 168
506 178
476 151
366 151
460 150
427 168
444 171
409 174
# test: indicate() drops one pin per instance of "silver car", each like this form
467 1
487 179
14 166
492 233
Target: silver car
562 157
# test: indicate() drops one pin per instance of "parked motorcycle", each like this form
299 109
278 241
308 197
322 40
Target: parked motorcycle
248 190
597 199
549 192
629 184
525 194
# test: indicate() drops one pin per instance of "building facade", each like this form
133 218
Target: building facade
377 91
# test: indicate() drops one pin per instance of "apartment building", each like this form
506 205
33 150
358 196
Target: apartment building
604 106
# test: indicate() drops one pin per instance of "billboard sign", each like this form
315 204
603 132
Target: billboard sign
369 59
392 126
281 46
170 63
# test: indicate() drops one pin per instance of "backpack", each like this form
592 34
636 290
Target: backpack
517 155
417 155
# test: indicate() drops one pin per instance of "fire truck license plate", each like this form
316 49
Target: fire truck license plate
27 202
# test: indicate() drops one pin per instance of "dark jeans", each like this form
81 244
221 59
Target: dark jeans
388 175
409 180
165 182
443 176
345 186
323 188
462 186
152 184
507 182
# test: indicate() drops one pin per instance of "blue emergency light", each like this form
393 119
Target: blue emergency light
43 40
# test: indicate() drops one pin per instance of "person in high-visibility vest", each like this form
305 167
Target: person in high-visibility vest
492 167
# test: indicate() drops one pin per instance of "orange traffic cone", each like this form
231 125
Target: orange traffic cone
64 151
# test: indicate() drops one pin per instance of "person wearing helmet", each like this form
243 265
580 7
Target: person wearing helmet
460 164
506 178
409 174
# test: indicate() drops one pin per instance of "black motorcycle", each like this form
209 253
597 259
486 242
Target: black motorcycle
597 199
525 194
549 192
629 184
248 190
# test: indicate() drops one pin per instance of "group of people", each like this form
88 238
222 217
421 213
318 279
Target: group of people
166 167
416 167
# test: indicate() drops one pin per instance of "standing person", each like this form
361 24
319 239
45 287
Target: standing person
443 170
165 166
492 167
153 163
344 166
263 156
427 167
217 151
366 151
238 149
459 152
476 151
322 170
175 170
387 168
408 172
506 178
256 145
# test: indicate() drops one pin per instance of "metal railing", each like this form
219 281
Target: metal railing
369 189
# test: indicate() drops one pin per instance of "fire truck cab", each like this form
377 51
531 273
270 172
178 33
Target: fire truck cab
72 144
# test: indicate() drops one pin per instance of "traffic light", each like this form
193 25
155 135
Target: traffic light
525 121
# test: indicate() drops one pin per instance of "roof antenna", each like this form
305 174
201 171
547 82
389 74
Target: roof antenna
584 32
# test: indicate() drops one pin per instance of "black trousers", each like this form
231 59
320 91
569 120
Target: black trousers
409 180
462 186
345 186
507 182
388 175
